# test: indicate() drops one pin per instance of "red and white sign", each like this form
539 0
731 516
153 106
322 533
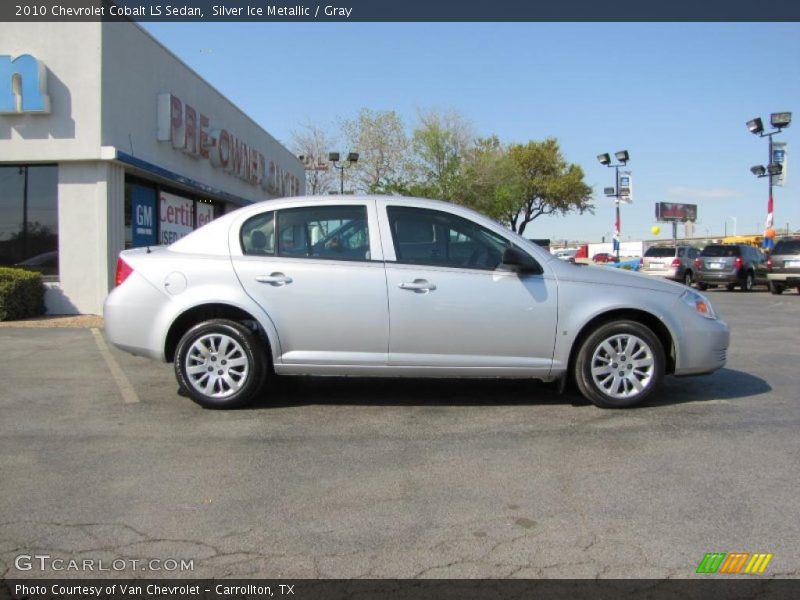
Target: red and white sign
191 132
177 217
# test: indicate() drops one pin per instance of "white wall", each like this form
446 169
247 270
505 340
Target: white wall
71 55
136 69
628 249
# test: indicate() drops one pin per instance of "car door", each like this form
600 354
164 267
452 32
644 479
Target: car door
317 272
451 304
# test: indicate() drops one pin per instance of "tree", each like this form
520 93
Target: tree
440 143
380 139
548 183
522 182
314 143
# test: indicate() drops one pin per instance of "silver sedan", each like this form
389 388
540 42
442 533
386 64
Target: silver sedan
384 286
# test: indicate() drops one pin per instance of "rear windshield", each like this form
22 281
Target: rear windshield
787 247
720 251
660 252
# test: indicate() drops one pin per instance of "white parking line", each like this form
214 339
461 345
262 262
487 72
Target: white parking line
125 388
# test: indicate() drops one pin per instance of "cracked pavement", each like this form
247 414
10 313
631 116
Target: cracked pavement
336 478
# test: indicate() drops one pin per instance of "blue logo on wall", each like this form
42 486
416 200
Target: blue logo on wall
143 216
23 85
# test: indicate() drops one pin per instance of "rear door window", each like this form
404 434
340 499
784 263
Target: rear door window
329 232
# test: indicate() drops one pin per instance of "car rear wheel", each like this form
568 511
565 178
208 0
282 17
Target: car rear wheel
220 364
747 284
619 364
775 288
687 279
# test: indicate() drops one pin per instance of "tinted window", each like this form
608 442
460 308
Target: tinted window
787 247
29 218
720 251
258 235
331 232
430 237
661 252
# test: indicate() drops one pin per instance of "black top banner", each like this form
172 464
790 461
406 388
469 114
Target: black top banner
401 10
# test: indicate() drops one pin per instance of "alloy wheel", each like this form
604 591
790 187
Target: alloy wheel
622 366
216 365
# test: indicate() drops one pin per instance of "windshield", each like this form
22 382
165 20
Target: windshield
660 252
720 251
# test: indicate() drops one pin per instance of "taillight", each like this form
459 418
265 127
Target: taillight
769 263
697 263
738 262
123 270
676 262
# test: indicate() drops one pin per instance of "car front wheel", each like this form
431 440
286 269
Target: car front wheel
702 287
220 364
775 288
619 364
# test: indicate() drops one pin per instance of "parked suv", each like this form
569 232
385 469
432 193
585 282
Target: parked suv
671 262
783 266
731 265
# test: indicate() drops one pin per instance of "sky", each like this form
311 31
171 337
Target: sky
676 96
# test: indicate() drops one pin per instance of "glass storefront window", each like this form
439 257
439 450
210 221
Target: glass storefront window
29 218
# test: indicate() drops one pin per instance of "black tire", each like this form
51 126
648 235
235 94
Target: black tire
702 287
613 334
747 282
231 386
687 278
730 287
776 288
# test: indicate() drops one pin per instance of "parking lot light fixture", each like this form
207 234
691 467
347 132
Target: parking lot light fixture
755 126
780 120
605 159
352 158
775 169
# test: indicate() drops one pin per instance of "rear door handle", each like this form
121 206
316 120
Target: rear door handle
420 286
275 279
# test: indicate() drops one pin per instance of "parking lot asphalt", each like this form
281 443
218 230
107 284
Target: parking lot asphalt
412 478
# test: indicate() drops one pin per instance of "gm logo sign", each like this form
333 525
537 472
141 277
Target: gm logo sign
735 563
23 85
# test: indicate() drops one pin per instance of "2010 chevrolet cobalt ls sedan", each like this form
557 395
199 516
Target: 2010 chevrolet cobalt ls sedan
383 286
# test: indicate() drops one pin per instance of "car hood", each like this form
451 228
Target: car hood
612 276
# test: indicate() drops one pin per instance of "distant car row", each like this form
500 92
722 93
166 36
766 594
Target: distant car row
731 265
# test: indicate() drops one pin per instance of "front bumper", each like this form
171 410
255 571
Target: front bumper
702 348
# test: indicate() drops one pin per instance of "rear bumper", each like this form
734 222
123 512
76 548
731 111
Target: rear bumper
788 279
131 312
717 277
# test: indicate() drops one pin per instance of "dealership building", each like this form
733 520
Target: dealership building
108 141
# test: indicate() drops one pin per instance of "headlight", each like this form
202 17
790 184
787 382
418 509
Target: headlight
699 304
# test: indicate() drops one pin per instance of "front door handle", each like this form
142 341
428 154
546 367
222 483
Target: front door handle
275 279
420 286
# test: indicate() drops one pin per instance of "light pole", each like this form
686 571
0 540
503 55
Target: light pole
734 225
605 159
778 121
352 158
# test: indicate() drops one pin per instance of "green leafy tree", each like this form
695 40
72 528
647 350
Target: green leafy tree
440 143
522 182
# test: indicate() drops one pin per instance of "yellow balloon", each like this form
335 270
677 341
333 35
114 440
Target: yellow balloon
655 229
770 233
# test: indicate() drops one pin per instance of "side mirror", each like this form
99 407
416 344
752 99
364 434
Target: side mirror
520 262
